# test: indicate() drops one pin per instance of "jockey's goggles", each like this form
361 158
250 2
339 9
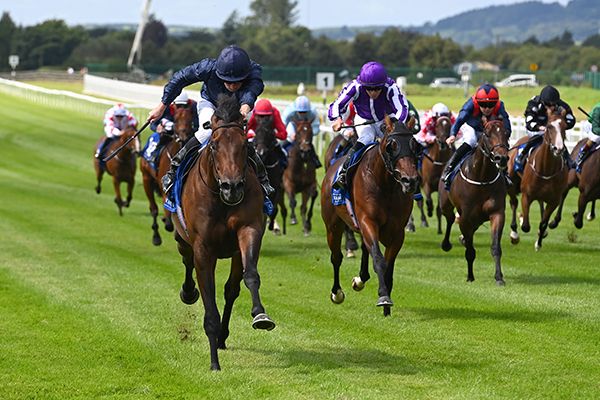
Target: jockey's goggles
373 88
183 105
552 105
487 104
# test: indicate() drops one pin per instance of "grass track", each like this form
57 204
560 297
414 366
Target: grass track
90 309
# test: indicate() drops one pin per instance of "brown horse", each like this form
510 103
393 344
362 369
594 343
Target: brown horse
300 175
121 167
267 149
434 160
381 194
478 192
182 131
345 145
222 217
588 183
544 178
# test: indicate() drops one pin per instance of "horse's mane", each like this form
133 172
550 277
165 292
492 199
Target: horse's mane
228 108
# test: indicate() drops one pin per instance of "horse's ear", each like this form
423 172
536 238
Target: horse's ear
389 125
484 120
411 123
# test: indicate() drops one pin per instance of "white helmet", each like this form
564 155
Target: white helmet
182 98
120 111
440 109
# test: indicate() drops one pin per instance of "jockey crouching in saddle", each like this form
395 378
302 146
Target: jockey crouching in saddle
264 112
116 119
485 102
593 139
426 136
536 118
164 127
374 95
301 110
231 73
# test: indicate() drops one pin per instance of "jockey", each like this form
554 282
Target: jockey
116 119
536 118
232 72
301 110
374 95
426 136
485 102
263 109
593 136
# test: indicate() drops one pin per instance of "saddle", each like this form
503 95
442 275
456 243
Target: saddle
339 196
150 148
456 169
173 200
528 148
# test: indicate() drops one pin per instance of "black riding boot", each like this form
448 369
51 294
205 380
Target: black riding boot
454 160
100 152
340 182
582 154
169 178
315 158
567 157
261 172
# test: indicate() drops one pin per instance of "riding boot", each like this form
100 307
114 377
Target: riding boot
315 158
568 160
454 161
340 182
582 154
261 171
100 152
169 178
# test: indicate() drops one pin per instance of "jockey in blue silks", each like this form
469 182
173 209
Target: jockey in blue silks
233 72
301 110
485 102
374 95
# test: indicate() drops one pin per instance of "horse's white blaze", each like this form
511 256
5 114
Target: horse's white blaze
558 140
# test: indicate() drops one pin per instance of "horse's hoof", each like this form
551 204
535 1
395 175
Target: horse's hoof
470 280
262 321
357 284
578 224
553 224
98 189
424 224
350 254
525 228
215 367
293 221
500 282
446 246
410 228
338 297
385 301
514 237
537 245
590 217
187 298
156 240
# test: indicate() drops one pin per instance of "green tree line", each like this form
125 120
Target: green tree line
272 38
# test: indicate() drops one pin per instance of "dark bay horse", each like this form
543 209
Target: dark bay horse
588 183
544 178
182 131
478 192
339 146
381 194
300 175
222 217
121 167
434 160
267 149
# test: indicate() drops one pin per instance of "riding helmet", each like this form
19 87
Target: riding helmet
549 95
233 64
182 98
263 107
302 104
372 74
440 109
487 92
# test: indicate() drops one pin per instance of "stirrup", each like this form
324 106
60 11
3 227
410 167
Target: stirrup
340 182
167 182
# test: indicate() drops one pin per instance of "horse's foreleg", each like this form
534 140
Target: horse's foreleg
303 214
99 173
284 212
371 241
308 224
581 205
232 291
130 186
334 241
542 231
351 244
525 204
358 282
592 214
497 226
188 293
149 190
118 197
391 252
514 234
249 240
448 211
424 223
470 253
558 216
292 197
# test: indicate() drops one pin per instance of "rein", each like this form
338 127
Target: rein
487 153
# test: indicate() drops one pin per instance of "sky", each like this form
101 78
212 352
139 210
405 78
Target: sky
212 14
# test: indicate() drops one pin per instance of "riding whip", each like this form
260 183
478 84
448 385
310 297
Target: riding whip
114 153
583 111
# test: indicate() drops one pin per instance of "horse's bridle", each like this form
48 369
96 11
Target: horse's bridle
390 162
486 150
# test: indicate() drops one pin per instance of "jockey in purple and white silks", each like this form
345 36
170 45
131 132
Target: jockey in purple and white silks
374 95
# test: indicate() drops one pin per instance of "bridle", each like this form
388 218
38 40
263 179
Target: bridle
389 161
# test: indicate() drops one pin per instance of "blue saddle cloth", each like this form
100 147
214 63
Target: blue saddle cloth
339 196
456 170
149 149
535 142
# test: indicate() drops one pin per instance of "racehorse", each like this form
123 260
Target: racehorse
478 192
544 178
381 195
339 147
300 175
588 183
222 217
434 160
268 151
182 131
121 167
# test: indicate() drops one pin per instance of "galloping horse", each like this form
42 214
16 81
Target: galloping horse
266 148
438 154
544 178
222 217
478 192
381 195
121 167
336 148
152 178
300 175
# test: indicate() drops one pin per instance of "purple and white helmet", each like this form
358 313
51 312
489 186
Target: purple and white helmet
372 74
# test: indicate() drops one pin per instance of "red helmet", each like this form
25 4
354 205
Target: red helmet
487 92
263 107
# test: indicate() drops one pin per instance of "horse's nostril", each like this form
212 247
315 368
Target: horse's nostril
225 186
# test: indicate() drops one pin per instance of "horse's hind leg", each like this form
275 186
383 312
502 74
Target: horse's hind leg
149 190
592 214
130 185
334 241
118 198
168 221
424 223
284 212
292 197
448 210
307 216
581 204
358 282
351 244
542 231
525 204
232 291
497 225
514 234
470 252
99 173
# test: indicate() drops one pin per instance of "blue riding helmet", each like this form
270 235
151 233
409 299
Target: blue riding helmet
302 104
233 64
372 74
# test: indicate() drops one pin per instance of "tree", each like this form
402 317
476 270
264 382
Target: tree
7 31
435 52
230 32
273 12
155 32
593 40
363 49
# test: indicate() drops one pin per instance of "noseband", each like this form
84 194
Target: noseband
390 161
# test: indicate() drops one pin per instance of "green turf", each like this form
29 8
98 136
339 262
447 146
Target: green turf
90 309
